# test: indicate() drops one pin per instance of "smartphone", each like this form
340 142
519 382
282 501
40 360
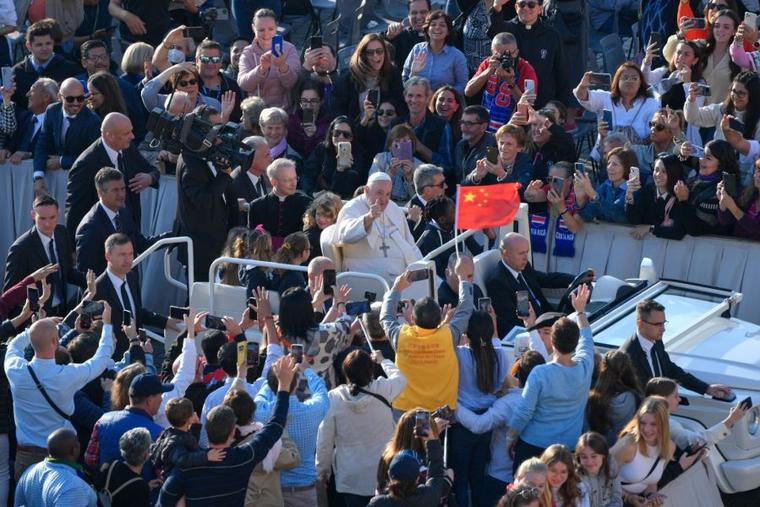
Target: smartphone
7 77
308 117
126 318
419 275
735 124
253 354
402 150
277 45
92 308
530 86
344 152
607 118
443 412
421 422
194 32
746 403
178 312
750 19
357 307
703 90
655 38
142 335
523 303
315 42
85 321
557 184
580 168
250 303
400 307
328 281
297 350
213 322
600 81
731 184
33 295
698 23
109 374
242 353
484 304
492 154
373 95
370 296
634 173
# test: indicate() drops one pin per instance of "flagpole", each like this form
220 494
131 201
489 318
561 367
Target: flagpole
456 221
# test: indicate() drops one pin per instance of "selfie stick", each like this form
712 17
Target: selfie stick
446 447
366 334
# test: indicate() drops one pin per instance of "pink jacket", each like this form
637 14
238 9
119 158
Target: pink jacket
273 86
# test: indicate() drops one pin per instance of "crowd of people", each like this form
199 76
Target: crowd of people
280 151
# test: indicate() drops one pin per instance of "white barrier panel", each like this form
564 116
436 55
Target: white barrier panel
710 260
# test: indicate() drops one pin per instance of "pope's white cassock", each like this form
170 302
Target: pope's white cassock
386 249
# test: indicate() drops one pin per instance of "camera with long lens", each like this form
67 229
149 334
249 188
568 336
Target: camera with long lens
506 60
194 134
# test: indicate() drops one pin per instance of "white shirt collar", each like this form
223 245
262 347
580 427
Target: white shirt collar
115 280
45 239
663 195
212 168
112 154
514 273
646 345
423 201
254 179
40 118
111 214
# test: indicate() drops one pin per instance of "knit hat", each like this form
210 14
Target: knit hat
405 466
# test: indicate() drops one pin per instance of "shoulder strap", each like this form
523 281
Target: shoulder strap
45 394
654 465
377 397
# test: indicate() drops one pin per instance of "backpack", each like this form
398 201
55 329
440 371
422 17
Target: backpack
105 496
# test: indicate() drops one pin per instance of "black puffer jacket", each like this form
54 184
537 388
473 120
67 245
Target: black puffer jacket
176 448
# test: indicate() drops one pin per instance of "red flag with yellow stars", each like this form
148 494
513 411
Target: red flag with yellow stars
479 207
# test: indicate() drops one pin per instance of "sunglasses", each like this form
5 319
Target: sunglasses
71 99
738 93
659 127
386 112
378 51
345 134
210 59
189 82
529 5
713 5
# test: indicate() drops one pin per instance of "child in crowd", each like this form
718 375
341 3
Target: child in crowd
597 471
533 472
566 487
176 446
522 495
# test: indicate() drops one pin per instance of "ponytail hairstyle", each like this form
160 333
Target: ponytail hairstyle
359 370
480 332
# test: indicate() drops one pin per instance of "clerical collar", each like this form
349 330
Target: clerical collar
280 197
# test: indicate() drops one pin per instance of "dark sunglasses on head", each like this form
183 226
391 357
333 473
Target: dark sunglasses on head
529 5
342 133
189 82
713 5
659 127
71 99
386 112
210 59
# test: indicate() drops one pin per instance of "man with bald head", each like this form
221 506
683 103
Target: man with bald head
36 415
374 233
68 129
55 481
114 149
515 273
448 290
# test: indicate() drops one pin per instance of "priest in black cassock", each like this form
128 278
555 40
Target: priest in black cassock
281 211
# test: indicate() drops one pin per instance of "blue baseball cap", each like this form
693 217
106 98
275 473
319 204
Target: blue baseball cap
148 384
405 466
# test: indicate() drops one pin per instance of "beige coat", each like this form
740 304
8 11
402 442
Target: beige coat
264 488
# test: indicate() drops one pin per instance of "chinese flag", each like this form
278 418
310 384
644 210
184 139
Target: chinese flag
479 207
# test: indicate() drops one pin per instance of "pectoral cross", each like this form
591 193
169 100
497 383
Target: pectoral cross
384 248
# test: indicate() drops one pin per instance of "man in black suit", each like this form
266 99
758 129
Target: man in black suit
429 182
119 286
41 62
281 211
206 205
515 273
251 184
107 216
45 243
68 129
448 290
115 149
648 355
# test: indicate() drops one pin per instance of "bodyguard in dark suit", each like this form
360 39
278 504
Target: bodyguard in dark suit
514 273
113 149
448 290
45 243
251 184
648 355
120 287
107 216
42 62
69 128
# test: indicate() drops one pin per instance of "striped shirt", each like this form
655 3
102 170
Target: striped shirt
53 483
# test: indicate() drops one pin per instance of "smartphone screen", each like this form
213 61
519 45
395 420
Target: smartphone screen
315 42
557 184
421 422
600 81
357 307
402 149
297 350
484 304
730 184
33 295
194 32
253 354
93 308
142 335
251 303
242 353
178 312
418 275
655 38
580 168
492 154
530 86
213 322
7 77
523 303
607 118
370 296
328 281
699 23
373 95
308 117
735 124
127 318
634 173
277 45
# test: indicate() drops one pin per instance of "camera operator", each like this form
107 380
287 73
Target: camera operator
501 77
206 203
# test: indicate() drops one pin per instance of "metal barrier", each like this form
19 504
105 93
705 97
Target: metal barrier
171 241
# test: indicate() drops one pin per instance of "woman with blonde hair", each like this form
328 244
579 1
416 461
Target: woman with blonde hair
370 68
133 62
533 472
322 213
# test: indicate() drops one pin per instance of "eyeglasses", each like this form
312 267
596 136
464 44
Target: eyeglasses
386 112
529 5
655 324
345 134
309 102
210 59
470 123
189 82
71 99
97 58
631 77
658 127
713 5
440 185
377 51
738 93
